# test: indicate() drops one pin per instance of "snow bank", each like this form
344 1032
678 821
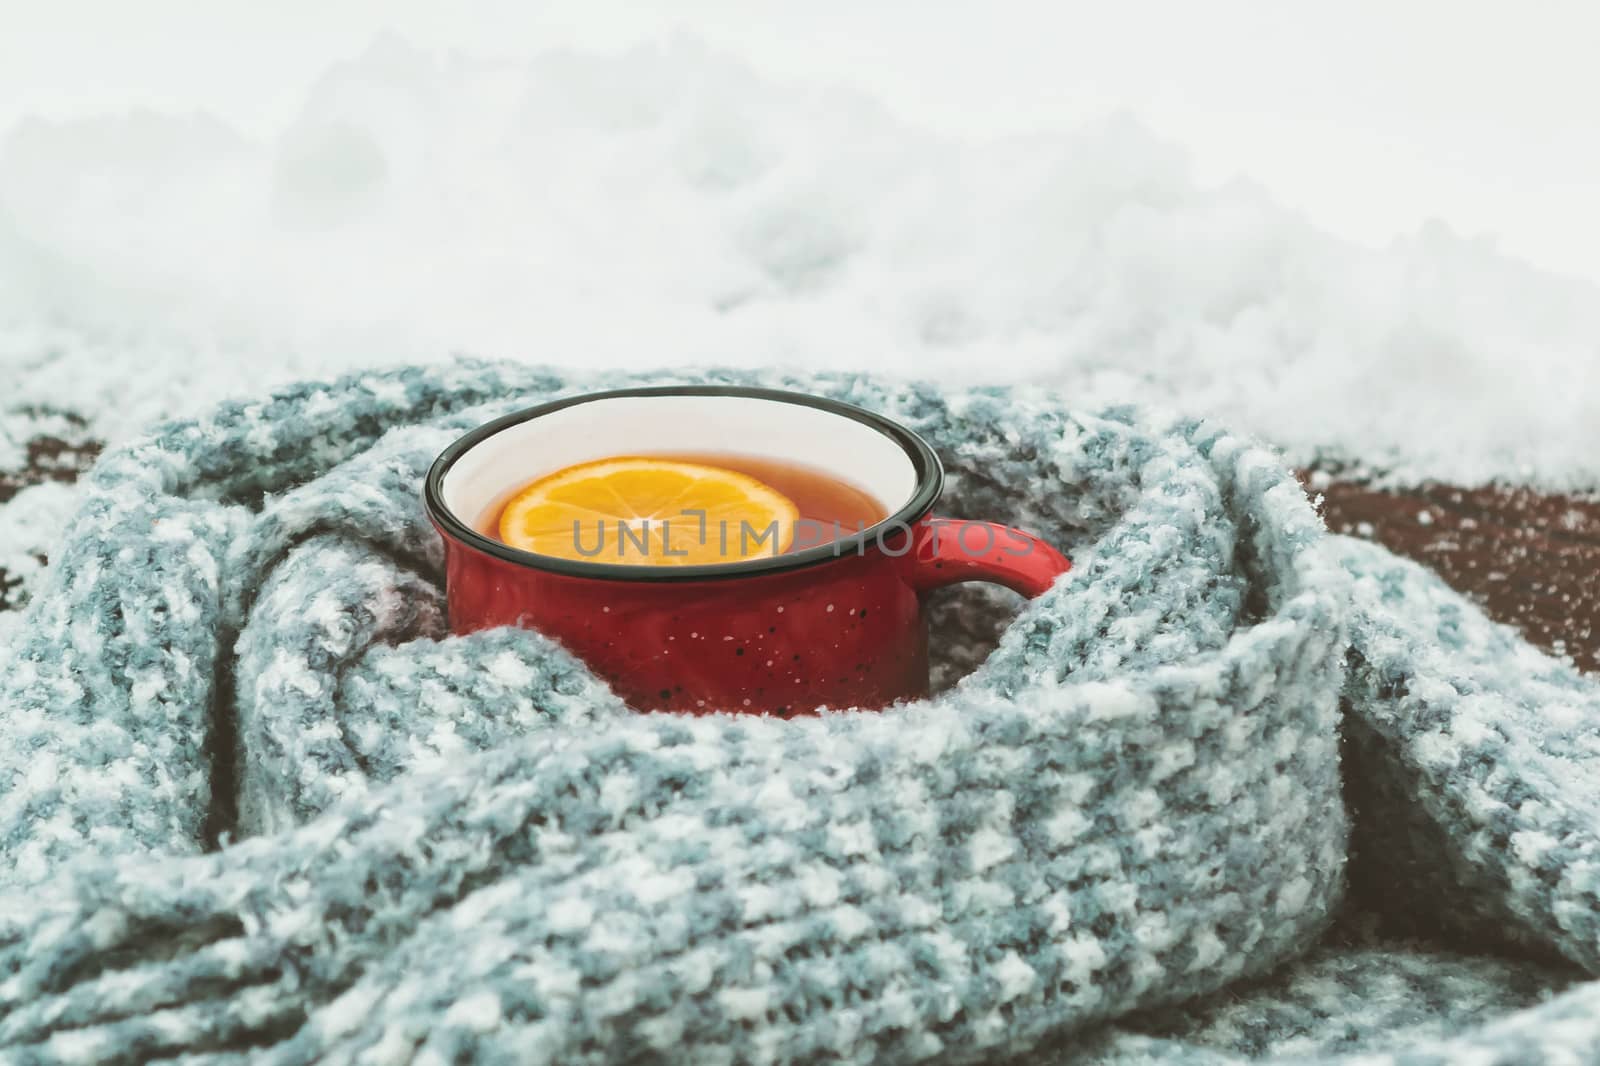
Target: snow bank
670 206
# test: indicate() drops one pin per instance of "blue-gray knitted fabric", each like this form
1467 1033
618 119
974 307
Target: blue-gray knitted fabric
1231 790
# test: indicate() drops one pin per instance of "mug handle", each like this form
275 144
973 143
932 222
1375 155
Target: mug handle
950 550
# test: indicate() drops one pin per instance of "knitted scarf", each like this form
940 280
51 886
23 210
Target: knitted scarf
1232 789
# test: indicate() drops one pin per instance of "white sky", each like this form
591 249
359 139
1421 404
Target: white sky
1371 117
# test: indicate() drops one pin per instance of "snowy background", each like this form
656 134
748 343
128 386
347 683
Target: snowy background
1366 232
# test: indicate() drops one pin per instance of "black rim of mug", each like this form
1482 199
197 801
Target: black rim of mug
929 474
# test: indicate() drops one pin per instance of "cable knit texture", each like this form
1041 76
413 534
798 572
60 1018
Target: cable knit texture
1232 789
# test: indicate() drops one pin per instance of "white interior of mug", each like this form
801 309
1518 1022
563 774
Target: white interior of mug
848 450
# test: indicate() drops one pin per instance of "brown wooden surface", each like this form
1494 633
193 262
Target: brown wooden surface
1530 559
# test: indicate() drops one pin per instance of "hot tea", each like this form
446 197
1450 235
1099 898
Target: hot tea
820 497
680 509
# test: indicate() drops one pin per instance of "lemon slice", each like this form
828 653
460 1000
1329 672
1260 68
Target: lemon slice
640 511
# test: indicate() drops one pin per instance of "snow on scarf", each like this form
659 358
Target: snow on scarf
256 804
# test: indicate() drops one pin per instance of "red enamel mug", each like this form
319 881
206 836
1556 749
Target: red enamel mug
839 624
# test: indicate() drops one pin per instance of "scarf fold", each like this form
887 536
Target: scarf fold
256 803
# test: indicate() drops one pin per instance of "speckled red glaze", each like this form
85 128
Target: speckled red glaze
848 632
